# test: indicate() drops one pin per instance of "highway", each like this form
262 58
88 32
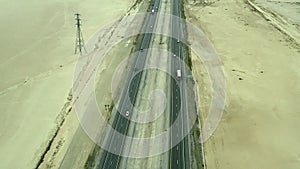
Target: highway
179 155
120 123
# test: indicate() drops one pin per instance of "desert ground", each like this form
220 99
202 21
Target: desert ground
257 41
37 63
259 127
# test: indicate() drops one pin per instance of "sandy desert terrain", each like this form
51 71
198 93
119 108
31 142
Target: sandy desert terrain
36 71
259 128
258 44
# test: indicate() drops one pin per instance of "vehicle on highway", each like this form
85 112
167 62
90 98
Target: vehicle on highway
177 40
178 74
152 11
127 113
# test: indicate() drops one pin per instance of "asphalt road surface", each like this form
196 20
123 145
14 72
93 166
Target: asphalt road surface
179 154
120 124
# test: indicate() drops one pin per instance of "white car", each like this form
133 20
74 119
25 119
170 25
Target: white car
178 73
127 113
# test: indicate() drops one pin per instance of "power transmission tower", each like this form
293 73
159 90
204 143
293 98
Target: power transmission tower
79 44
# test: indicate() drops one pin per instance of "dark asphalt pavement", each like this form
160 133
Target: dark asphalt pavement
109 160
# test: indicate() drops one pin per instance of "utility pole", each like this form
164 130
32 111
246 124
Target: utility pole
79 44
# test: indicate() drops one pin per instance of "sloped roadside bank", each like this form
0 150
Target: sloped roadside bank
280 22
59 145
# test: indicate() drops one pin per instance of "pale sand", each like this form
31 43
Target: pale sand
260 126
37 38
71 140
